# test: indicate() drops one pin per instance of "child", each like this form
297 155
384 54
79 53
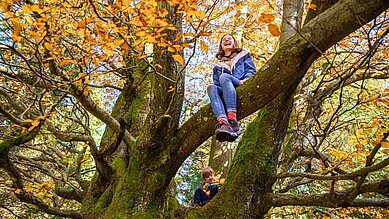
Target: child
210 187
234 68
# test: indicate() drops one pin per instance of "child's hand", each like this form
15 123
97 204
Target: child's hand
242 81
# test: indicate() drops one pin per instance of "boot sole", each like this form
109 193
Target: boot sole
225 136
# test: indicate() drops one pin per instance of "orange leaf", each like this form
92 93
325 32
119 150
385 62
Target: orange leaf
35 123
16 34
312 7
49 46
266 18
203 46
82 24
66 62
385 144
179 59
274 29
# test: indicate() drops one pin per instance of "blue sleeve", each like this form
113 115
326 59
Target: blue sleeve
216 77
249 67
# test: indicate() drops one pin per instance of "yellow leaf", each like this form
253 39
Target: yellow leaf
17 191
49 46
200 14
107 51
28 120
29 189
36 8
179 59
119 42
26 9
126 2
274 30
40 194
203 46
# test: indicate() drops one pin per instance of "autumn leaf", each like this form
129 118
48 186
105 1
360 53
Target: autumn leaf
66 62
26 9
203 46
312 7
266 18
49 46
16 33
28 121
35 123
385 144
274 29
179 59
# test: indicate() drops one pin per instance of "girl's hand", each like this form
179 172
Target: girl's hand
242 81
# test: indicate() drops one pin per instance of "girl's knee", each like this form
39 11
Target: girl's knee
224 78
210 88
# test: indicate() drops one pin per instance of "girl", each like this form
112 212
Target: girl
234 68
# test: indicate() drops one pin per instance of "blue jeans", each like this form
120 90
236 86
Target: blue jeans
223 97
201 198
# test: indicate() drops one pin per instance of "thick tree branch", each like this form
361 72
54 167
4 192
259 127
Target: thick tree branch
46 208
331 200
69 193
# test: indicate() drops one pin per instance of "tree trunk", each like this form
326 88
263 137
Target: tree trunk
220 156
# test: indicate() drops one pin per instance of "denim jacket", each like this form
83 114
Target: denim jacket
242 67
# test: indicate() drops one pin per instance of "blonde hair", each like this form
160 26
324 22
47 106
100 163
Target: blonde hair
206 172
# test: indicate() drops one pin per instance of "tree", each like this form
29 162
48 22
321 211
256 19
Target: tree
61 58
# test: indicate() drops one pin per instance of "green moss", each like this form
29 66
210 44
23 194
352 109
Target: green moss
156 180
119 166
125 189
143 215
196 213
172 208
138 103
251 146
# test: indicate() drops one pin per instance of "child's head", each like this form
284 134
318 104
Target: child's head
207 174
227 42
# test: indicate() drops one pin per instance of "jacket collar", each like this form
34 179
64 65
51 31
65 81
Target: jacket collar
234 60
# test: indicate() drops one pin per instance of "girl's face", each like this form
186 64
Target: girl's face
227 43
209 178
